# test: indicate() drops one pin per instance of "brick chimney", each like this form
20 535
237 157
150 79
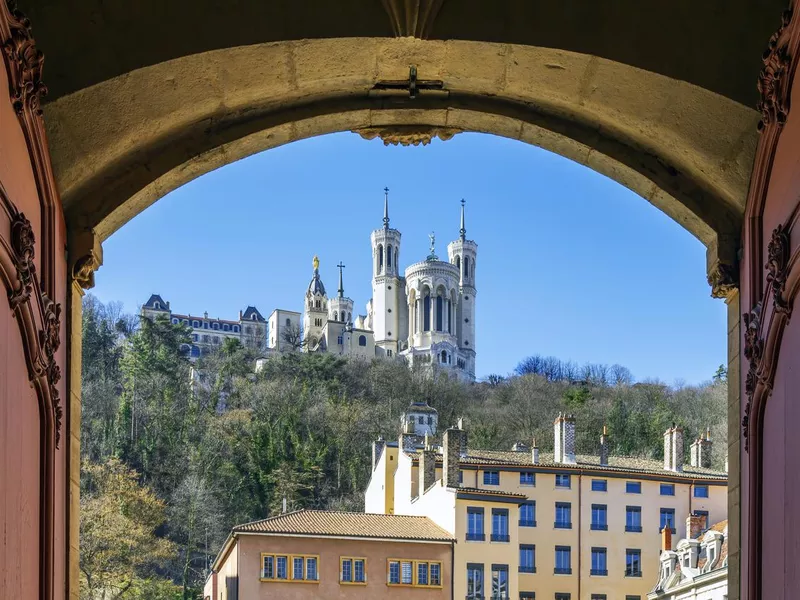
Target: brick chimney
564 426
666 539
454 446
427 467
695 525
604 446
534 452
377 450
673 449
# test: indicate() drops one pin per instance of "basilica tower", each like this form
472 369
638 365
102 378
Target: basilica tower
386 284
341 307
462 253
315 310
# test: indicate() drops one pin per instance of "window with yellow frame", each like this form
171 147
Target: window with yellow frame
352 570
414 573
291 568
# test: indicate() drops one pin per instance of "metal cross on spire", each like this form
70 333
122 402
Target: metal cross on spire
463 229
341 284
386 208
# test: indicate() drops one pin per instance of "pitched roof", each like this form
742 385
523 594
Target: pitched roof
625 464
249 312
349 524
485 492
153 299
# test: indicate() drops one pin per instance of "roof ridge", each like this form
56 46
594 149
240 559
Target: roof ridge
272 518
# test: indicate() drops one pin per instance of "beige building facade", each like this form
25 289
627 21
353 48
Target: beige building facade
548 526
330 554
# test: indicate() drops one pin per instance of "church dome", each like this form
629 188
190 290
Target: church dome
316 286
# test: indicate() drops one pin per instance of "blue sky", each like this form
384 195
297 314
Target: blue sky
570 263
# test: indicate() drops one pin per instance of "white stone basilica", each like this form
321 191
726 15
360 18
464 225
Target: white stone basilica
426 315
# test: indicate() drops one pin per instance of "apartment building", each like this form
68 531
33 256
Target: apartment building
331 554
552 526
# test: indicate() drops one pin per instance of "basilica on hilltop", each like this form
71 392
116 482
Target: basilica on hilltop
425 313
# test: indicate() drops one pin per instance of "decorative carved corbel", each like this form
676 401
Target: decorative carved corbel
723 279
407 135
777 267
774 103
753 352
26 79
23 246
88 253
412 18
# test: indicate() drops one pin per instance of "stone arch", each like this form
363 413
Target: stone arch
683 148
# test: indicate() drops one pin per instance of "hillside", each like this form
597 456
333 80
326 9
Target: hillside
191 458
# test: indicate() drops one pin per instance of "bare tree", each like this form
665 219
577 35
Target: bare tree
291 335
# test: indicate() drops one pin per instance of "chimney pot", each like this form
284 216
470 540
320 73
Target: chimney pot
604 447
454 446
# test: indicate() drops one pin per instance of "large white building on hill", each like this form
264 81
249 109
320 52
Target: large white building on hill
425 314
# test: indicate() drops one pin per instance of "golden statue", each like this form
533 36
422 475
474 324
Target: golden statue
316 262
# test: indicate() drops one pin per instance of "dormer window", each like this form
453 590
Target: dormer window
254 317
226 327
195 323
236 329
157 305
215 326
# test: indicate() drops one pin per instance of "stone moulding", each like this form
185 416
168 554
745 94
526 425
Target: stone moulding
407 135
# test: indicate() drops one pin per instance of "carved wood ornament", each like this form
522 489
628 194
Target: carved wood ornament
32 292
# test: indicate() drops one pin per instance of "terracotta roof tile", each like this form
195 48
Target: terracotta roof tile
627 464
472 490
350 524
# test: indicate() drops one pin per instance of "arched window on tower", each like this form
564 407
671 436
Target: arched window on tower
389 256
335 316
439 312
362 340
380 258
349 317
466 267
444 357
426 310
458 263
288 322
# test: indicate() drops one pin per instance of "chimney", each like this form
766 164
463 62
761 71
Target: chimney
565 439
520 447
695 525
240 315
534 452
377 450
427 467
454 446
673 449
604 446
666 539
700 451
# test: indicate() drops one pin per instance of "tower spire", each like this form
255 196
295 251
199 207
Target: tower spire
386 208
341 284
463 229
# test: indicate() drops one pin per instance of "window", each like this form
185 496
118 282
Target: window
195 337
157 305
667 489
205 339
563 560
289 568
701 491
527 478
491 478
633 519
599 485
475 524
527 514
703 513
421 420
195 323
599 517
500 582
474 580
186 321
599 562
527 558
527 596
362 340
205 324
175 321
426 317
414 572
288 322
562 596
633 563
633 487
599 597
215 326
667 519
353 570
389 353
633 598
563 481
195 351
563 515
500 525
460 474
236 329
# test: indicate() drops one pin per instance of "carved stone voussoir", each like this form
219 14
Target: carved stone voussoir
723 279
777 267
774 103
412 17
26 62
407 135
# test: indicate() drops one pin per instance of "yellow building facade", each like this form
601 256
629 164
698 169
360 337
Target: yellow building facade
552 526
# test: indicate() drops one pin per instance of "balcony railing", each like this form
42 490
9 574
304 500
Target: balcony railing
527 523
488 597
476 537
603 572
599 527
501 537
567 571
562 525
523 569
633 528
